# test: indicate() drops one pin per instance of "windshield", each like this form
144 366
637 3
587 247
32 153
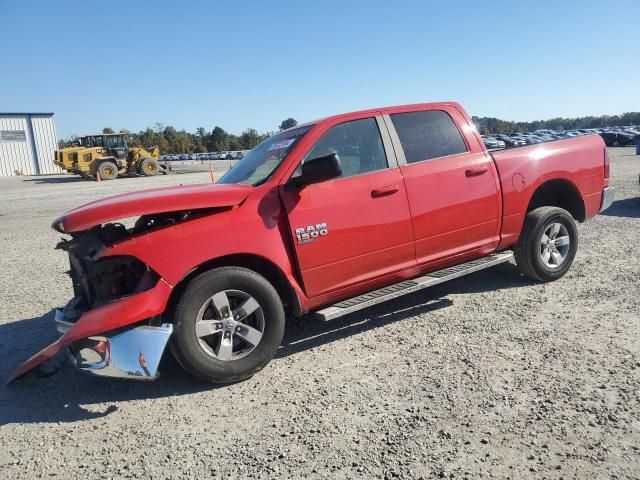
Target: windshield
260 163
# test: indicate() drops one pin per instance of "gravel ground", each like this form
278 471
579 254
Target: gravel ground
487 376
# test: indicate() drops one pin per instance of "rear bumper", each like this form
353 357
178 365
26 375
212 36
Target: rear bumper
608 195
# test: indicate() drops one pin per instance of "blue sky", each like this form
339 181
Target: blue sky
129 64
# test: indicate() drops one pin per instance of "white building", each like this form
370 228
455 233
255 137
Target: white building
27 144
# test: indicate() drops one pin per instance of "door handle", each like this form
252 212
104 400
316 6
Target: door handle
384 191
475 172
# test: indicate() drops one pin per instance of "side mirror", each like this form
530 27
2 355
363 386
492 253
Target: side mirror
318 169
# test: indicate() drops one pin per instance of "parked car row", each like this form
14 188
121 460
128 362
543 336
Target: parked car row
612 136
236 155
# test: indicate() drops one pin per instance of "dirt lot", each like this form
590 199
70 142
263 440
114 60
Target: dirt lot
487 376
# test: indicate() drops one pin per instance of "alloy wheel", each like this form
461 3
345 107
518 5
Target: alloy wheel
229 325
554 245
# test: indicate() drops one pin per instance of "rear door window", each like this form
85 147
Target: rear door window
428 134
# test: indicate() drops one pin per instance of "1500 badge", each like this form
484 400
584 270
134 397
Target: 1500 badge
308 234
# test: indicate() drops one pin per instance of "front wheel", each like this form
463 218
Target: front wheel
229 323
547 245
149 167
107 171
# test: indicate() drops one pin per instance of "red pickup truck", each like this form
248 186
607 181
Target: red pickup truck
328 217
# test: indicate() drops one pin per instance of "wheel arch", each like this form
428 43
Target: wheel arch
561 193
256 263
101 160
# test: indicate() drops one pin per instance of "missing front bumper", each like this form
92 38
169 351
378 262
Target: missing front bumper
134 353
118 316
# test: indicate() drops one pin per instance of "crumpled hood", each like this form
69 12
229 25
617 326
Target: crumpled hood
145 202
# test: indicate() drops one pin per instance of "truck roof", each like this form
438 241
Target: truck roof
388 109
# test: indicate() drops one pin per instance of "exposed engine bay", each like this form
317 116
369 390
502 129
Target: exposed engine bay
98 280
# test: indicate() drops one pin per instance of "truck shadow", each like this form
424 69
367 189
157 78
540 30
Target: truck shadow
627 207
310 333
60 179
59 393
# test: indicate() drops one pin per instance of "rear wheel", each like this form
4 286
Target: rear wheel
149 167
229 323
547 245
107 171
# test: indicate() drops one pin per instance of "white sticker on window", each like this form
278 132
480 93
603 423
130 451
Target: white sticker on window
281 144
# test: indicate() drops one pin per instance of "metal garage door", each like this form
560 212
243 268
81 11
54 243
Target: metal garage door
16 150
27 144
45 141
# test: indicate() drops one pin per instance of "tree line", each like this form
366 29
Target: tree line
171 141
488 125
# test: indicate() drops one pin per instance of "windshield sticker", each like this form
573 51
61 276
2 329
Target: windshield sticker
281 144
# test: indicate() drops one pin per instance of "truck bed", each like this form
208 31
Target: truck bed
578 161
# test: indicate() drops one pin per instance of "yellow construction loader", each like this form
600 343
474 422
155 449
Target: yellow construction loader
105 156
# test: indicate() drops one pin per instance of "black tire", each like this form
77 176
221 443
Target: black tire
149 167
528 250
187 347
107 171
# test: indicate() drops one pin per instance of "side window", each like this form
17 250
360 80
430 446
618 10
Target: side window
357 143
428 134
114 142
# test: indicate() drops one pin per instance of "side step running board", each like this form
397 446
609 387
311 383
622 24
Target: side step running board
408 286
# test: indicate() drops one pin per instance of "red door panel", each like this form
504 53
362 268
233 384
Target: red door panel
455 204
368 229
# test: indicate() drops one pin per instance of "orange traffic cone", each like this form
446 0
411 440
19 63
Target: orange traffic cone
213 177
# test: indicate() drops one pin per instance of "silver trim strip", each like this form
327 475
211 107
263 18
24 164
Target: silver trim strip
62 326
395 140
429 280
392 161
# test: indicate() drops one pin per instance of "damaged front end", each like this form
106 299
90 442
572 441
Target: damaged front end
130 353
99 279
113 325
